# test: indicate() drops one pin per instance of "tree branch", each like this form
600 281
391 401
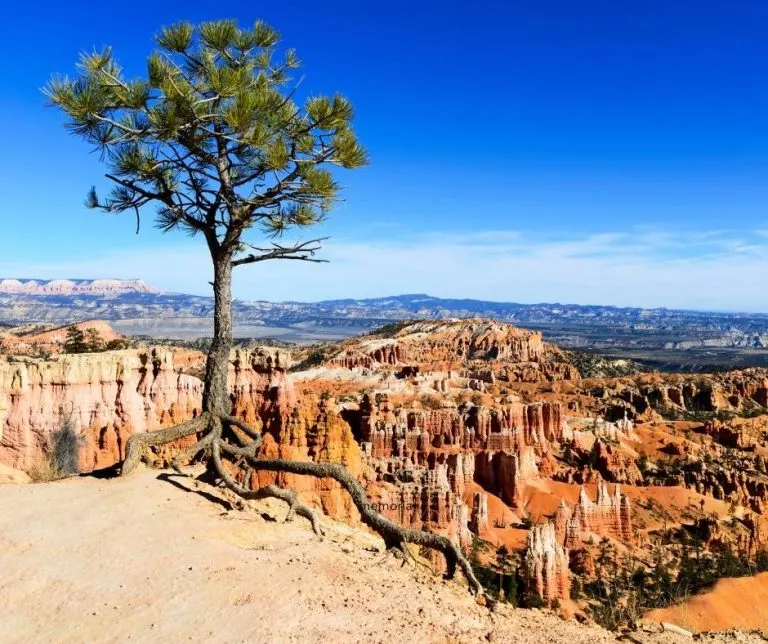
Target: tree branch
303 251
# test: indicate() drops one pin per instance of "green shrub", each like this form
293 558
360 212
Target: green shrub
532 600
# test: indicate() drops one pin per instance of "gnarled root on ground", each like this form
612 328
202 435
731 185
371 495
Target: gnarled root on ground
218 432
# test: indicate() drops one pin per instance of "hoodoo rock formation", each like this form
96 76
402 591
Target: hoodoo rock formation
614 465
747 489
479 516
546 564
507 474
610 516
387 429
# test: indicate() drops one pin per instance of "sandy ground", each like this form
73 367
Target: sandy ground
158 558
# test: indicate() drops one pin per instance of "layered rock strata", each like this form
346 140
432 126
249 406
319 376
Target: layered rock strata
74 287
507 474
103 398
106 397
386 429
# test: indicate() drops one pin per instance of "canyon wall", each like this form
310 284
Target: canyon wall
106 397
103 397
506 474
387 429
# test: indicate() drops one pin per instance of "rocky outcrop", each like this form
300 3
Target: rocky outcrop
546 564
425 496
453 342
500 447
671 395
735 486
610 516
743 536
103 397
9 475
497 447
424 502
479 516
730 435
615 465
515 355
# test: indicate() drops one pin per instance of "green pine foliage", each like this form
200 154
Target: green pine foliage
75 341
94 341
213 135
89 341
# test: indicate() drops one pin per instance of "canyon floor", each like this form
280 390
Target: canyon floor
160 557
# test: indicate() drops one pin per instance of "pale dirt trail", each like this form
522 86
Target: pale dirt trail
142 560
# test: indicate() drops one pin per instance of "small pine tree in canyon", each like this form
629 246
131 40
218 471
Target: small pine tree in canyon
214 138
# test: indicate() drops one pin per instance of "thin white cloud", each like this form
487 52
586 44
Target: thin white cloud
713 270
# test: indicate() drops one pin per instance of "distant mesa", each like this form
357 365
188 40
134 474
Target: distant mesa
74 287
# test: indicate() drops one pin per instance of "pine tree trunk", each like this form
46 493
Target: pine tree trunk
216 392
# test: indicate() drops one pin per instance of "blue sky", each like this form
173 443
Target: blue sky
591 152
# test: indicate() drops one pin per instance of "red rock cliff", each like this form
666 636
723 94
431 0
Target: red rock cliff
104 397
392 430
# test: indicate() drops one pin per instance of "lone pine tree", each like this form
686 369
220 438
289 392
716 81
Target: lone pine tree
75 341
215 139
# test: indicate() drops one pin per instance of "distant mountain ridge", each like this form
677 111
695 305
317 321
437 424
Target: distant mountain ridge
72 287
134 308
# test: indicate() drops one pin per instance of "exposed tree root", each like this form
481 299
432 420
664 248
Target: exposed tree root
289 496
244 456
135 447
393 534
190 453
